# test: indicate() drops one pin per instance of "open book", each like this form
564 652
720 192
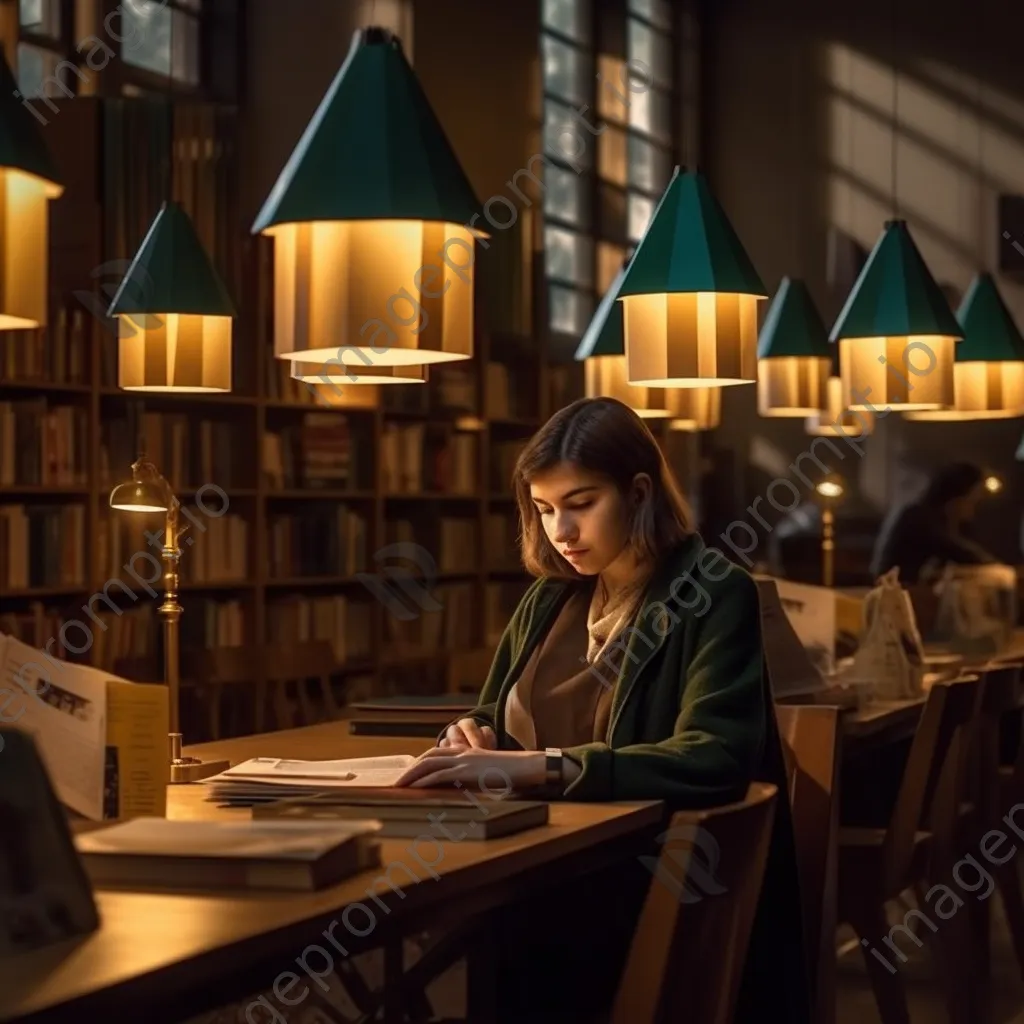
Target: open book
275 778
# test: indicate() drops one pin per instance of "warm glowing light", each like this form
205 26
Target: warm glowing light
830 488
24 248
993 484
898 373
837 420
690 339
382 292
983 391
605 377
175 352
695 408
792 385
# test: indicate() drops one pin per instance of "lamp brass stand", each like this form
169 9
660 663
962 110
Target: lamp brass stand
828 547
148 491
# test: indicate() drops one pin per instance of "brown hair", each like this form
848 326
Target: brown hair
604 436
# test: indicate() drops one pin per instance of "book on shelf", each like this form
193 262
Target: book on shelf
502 457
450 626
169 854
415 460
42 546
55 354
451 540
346 624
318 538
317 453
409 816
43 445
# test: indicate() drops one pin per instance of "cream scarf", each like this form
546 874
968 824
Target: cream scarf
610 612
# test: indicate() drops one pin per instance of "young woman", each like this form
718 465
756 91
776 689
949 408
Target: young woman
632 670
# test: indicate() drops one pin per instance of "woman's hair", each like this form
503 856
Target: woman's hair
603 436
951 481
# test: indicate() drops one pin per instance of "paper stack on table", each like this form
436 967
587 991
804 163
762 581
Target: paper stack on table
272 778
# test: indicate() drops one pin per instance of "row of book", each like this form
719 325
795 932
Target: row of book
345 623
439 618
321 539
43 445
187 450
451 542
317 453
42 546
502 459
415 459
55 354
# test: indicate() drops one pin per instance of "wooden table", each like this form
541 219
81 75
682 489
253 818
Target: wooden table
163 957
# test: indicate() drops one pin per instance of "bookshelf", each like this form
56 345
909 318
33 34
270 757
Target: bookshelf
289 500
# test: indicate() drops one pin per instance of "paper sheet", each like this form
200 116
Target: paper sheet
354 771
64 707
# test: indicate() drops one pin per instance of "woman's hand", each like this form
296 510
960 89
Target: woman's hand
467 732
477 768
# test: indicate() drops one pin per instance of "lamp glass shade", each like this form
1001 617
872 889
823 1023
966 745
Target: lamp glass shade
896 332
336 375
836 420
988 376
794 355
380 292
28 181
138 496
371 249
174 313
605 377
690 295
693 409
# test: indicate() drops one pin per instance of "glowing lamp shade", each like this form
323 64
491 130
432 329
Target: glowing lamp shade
336 375
988 375
836 420
693 409
794 357
897 336
690 295
373 257
28 181
174 313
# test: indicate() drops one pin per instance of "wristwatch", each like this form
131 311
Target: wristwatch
554 778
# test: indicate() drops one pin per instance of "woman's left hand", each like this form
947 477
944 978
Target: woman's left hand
477 768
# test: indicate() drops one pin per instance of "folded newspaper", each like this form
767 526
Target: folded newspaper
274 778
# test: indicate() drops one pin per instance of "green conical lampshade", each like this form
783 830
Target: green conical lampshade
174 313
371 218
794 356
28 180
988 375
690 295
604 336
896 332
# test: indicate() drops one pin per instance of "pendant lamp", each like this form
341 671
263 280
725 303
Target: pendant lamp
373 250
896 333
693 409
988 375
794 357
174 313
28 181
835 420
690 295
602 351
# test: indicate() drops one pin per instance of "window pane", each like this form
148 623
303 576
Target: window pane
564 73
570 310
40 16
567 17
185 48
649 166
611 156
652 48
565 138
569 255
640 210
36 74
649 112
657 11
147 35
564 193
609 262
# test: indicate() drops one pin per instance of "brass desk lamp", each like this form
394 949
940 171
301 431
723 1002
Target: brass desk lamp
148 491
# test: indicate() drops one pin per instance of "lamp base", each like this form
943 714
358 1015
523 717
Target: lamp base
191 769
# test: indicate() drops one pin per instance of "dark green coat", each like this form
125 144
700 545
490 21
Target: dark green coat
691 724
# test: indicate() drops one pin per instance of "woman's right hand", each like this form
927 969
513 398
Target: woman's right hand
467 732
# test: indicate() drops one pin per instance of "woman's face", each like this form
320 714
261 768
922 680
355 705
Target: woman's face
584 515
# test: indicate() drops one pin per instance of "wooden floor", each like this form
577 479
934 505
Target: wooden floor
856 1005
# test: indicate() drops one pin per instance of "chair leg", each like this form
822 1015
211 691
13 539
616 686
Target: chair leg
950 945
1008 880
870 924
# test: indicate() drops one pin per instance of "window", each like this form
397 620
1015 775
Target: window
610 132
162 37
40 49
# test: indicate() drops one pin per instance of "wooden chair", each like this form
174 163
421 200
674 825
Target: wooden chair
876 865
811 742
281 672
686 959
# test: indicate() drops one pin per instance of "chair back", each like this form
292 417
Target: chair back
1001 698
690 946
811 741
932 768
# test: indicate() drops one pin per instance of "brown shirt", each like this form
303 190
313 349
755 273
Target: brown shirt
560 700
